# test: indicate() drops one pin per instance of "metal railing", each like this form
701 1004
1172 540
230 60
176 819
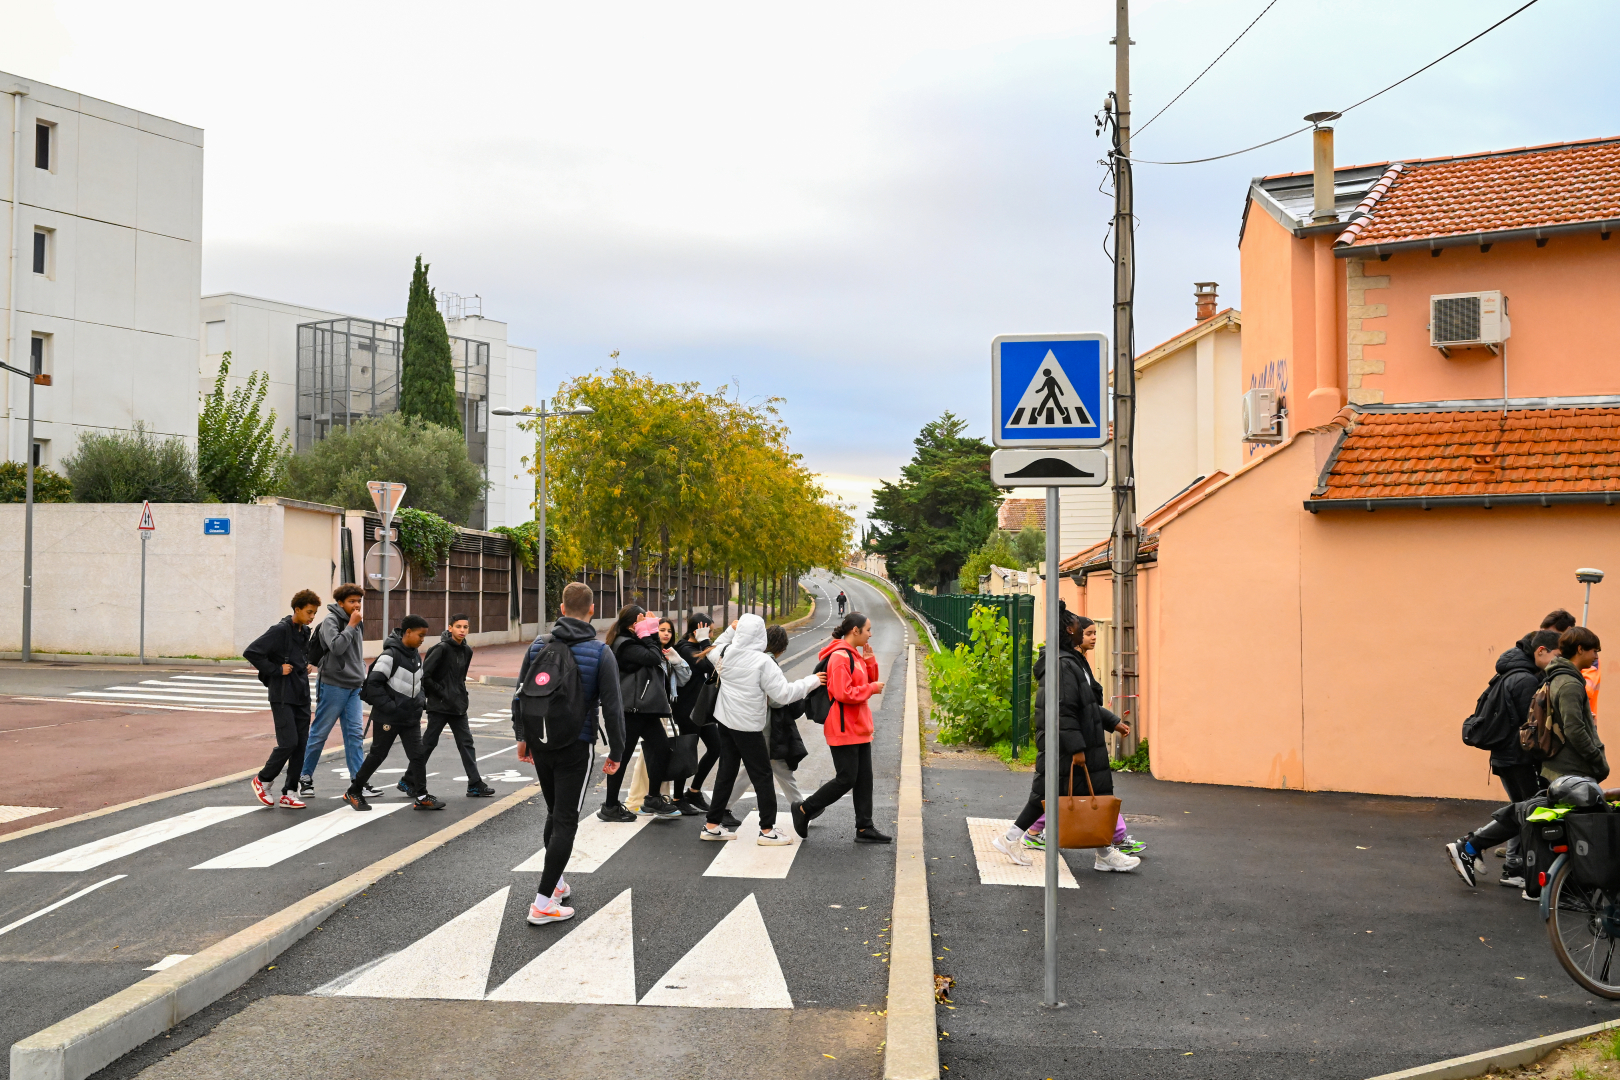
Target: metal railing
948 616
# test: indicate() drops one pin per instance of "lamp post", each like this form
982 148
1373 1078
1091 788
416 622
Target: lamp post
540 500
35 378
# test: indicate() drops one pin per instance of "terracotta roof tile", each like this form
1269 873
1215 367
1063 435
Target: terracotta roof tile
1526 189
1435 454
1017 514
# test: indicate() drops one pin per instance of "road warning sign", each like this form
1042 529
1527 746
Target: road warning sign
1050 390
147 524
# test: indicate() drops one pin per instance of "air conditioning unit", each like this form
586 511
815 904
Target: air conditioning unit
1466 320
1262 416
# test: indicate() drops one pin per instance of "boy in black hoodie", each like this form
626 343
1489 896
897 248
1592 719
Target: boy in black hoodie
444 676
279 655
393 689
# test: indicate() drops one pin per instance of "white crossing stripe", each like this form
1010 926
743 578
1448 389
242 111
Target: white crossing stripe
996 869
594 964
733 967
91 855
595 843
744 858
158 706
224 692
14 813
452 962
168 961
26 919
283 845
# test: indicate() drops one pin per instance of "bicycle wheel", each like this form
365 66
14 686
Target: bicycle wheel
1584 925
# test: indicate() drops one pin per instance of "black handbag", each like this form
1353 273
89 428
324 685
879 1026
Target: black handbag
703 704
642 691
683 756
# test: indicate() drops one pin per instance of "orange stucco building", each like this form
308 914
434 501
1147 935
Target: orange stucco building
1325 616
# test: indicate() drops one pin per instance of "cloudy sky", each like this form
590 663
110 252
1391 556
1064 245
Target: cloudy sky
838 204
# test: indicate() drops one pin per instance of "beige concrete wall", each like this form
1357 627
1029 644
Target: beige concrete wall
309 553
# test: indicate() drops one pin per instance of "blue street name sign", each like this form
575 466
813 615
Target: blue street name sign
216 526
1049 390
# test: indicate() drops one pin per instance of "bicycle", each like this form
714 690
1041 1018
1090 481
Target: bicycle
1583 920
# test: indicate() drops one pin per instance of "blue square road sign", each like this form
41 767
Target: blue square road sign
216 526
1049 390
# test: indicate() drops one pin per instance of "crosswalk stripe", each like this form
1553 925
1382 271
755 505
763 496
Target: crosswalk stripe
91 855
744 858
219 679
15 813
594 964
162 686
170 699
595 843
733 967
159 706
996 869
283 845
451 962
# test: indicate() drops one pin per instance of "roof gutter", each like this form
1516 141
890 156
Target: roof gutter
1079 574
1482 239
1487 502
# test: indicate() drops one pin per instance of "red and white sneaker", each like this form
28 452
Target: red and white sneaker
563 890
552 912
291 801
264 796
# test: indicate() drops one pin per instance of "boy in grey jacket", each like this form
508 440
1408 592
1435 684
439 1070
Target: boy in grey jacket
1582 753
339 638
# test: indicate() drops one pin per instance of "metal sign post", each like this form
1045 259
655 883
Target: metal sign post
1054 682
145 528
387 497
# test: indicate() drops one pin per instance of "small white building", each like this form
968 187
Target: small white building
326 366
102 209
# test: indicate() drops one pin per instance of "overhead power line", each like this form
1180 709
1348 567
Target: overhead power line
1201 74
1357 105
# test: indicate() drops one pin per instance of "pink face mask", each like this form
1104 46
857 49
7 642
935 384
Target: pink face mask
646 626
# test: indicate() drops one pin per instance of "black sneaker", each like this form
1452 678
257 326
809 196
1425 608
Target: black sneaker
425 801
479 791
689 809
661 807
729 821
306 787
356 800
695 797
1461 860
872 836
801 819
613 811
401 786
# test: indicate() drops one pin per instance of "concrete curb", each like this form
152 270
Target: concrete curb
498 680
151 661
89 1040
1503 1057
911 1051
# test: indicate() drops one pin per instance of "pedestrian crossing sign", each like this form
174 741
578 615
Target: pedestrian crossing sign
1049 390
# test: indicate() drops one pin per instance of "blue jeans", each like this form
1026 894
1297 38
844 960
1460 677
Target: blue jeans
331 702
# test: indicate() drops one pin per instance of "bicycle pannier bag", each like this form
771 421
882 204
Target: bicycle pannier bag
1594 850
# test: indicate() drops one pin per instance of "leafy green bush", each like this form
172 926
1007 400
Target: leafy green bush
972 686
132 466
1136 762
425 538
525 545
239 456
49 487
430 460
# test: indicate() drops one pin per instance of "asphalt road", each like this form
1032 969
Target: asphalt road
152 900
669 927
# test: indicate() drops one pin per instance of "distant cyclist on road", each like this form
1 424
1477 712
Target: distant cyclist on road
842 600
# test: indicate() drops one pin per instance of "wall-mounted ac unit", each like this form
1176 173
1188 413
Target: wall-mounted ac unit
1262 416
1465 320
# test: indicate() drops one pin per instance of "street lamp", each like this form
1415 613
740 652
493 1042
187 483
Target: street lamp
35 378
540 502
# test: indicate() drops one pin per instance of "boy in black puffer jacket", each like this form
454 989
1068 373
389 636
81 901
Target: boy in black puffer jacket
279 655
444 677
393 689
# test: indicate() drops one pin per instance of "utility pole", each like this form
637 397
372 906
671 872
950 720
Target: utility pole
1125 535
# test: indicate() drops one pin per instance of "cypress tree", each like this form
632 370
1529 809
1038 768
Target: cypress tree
427 381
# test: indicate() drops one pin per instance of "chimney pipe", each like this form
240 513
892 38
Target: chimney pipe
1322 209
1204 295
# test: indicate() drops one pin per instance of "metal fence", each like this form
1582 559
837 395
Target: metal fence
948 615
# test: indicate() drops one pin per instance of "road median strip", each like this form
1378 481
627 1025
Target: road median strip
93 1038
911 1047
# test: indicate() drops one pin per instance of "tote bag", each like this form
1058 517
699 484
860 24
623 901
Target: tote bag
1086 821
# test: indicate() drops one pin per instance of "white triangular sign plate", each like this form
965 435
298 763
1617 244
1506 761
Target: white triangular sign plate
147 524
593 965
1050 400
733 967
451 962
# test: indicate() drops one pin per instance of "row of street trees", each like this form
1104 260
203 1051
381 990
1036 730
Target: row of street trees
690 478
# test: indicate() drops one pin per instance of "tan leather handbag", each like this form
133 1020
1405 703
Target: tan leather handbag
1086 821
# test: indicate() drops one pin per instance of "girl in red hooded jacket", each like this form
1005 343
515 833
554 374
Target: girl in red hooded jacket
852 679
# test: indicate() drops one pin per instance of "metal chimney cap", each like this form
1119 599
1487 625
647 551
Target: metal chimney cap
1319 118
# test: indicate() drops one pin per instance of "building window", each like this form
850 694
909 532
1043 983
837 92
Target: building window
42 251
37 350
214 336
42 453
42 146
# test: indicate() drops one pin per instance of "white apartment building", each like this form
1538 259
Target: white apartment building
102 209
327 367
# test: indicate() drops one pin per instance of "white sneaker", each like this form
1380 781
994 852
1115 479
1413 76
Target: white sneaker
719 832
563 890
1111 858
773 839
1013 850
552 912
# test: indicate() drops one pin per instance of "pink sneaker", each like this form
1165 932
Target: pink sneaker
264 796
563 890
291 801
552 912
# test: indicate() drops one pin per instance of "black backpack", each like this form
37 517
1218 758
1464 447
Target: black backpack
818 703
551 702
317 648
1492 726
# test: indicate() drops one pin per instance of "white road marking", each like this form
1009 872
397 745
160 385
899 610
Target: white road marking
91 855
595 843
594 964
733 967
451 962
158 705
285 844
168 961
9 927
744 858
493 753
996 869
14 813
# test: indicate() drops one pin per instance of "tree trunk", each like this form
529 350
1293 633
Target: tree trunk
635 565
725 591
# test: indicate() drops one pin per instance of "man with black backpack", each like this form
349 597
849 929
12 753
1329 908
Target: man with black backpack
567 676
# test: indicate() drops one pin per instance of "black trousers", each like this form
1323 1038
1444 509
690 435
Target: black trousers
649 731
383 733
749 749
292 734
416 775
564 774
1521 782
854 765
708 734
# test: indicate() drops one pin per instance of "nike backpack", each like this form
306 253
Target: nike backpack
551 702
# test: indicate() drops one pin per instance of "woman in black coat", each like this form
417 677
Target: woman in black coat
636 654
694 649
